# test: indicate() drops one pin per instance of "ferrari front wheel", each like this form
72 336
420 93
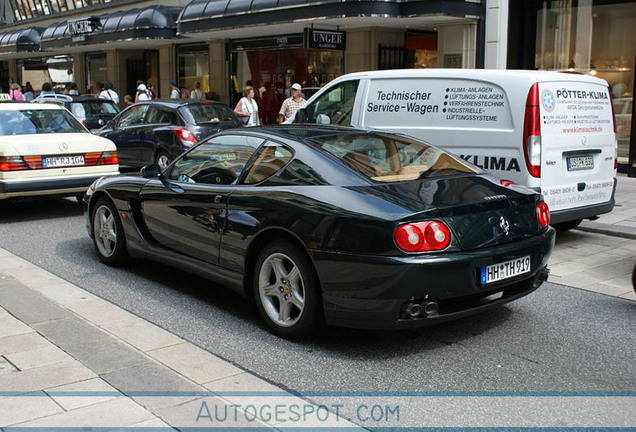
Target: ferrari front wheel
287 291
108 233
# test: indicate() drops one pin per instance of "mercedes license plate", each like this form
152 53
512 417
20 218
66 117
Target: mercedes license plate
505 270
62 161
580 163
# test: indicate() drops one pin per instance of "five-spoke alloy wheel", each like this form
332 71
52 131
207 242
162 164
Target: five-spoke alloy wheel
286 290
108 233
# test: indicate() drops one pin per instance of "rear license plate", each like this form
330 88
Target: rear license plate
505 270
62 161
580 163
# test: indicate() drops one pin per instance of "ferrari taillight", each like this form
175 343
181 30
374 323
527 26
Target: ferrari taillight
12 163
543 214
422 236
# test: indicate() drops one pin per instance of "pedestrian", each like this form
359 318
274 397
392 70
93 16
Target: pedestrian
109 94
151 92
174 90
29 93
128 100
292 103
15 93
142 93
196 92
139 82
47 89
73 89
247 108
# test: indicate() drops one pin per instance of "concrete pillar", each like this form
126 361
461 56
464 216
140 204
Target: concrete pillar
167 69
496 34
79 71
219 70
457 45
12 72
362 47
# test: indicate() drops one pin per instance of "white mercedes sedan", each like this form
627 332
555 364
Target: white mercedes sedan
44 150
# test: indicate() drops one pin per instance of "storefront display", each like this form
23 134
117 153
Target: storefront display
272 65
595 39
194 66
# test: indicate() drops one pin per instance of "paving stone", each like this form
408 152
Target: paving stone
83 393
161 386
6 367
19 409
22 342
106 354
9 326
28 306
100 311
156 424
44 377
68 331
65 293
142 335
116 413
39 357
629 296
198 365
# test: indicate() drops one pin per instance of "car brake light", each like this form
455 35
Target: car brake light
109 158
543 214
532 133
506 182
422 236
185 135
12 163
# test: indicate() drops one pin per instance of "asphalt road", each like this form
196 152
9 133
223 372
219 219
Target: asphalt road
557 339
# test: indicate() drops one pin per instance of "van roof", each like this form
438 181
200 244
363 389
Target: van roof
486 74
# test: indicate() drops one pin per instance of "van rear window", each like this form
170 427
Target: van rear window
391 158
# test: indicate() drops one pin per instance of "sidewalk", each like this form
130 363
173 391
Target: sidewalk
70 359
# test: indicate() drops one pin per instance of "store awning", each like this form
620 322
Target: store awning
153 22
20 40
206 15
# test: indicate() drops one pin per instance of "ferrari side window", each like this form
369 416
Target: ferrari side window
218 161
271 158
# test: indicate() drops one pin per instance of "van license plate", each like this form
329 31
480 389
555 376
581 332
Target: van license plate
62 161
580 163
505 270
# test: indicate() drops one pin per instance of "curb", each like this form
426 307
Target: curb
620 231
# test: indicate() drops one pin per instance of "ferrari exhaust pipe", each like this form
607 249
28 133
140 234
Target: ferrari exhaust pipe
413 310
430 308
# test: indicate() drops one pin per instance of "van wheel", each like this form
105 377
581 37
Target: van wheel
566 226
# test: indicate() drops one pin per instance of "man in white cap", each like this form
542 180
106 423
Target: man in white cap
291 104
142 93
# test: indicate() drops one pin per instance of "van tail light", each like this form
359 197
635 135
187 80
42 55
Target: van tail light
12 163
185 135
543 214
422 236
615 129
532 133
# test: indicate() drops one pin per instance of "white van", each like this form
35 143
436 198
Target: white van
551 131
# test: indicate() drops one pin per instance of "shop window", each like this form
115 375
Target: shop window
194 66
421 50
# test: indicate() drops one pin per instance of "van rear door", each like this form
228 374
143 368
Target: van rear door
578 144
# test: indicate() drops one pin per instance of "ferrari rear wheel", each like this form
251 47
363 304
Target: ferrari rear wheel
287 291
108 233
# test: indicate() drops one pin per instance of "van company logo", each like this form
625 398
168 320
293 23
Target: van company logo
547 99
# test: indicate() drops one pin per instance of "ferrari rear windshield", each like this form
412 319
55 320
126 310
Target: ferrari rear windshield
38 121
391 158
